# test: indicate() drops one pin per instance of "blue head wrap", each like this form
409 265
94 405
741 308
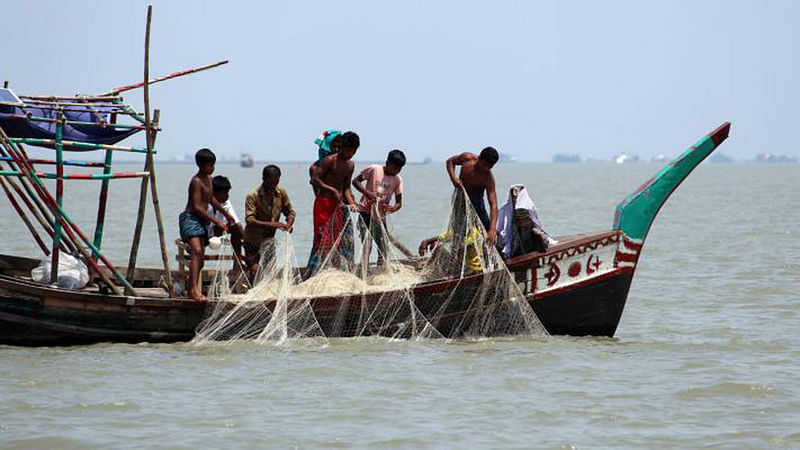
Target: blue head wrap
324 142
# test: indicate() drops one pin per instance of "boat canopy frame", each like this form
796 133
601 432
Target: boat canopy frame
81 123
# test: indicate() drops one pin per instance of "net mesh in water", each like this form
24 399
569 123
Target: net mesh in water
462 289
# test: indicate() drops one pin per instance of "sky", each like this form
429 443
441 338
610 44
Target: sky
531 78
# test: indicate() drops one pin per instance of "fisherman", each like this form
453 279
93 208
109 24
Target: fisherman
472 260
327 144
520 229
477 179
332 183
194 220
221 187
382 183
264 206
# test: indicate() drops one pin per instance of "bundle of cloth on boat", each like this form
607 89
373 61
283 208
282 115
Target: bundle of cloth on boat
72 272
519 228
14 121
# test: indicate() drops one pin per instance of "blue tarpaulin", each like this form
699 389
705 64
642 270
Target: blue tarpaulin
14 123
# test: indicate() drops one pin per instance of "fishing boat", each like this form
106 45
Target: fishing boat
246 160
577 287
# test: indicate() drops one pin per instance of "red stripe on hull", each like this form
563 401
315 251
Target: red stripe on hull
581 284
627 257
632 245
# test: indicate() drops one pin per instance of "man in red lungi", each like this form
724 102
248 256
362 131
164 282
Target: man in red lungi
331 181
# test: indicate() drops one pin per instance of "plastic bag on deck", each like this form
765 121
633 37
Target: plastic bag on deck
72 272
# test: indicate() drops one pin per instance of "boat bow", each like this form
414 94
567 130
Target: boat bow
636 213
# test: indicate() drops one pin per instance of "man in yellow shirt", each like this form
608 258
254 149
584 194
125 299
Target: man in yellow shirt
264 206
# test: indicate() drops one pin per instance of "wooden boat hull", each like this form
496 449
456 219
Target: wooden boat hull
57 320
32 314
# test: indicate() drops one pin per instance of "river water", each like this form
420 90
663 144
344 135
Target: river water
706 354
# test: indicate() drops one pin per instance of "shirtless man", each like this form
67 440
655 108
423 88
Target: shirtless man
477 179
194 220
331 180
328 144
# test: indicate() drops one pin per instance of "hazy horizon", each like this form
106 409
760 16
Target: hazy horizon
588 78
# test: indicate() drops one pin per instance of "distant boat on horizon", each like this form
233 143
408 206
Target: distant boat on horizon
246 160
624 158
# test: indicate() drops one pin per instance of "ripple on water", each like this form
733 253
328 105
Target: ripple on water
55 442
727 389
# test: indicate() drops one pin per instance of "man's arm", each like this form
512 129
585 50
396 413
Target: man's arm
398 203
398 197
348 193
218 206
317 176
360 188
289 212
451 164
492 194
427 245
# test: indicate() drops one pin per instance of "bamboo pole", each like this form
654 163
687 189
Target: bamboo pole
73 230
44 104
152 127
66 162
31 194
71 107
146 83
78 98
157 206
24 218
149 167
101 203
78 176
47 226
76 144
399 245
137 231
33 118
103 200
135 115
59 199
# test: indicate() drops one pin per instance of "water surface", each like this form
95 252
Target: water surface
706 353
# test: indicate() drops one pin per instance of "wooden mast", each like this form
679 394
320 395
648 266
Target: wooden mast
150 168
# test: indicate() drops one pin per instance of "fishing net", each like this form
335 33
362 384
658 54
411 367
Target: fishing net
461 288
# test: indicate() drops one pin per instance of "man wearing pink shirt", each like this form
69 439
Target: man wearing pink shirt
380 183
